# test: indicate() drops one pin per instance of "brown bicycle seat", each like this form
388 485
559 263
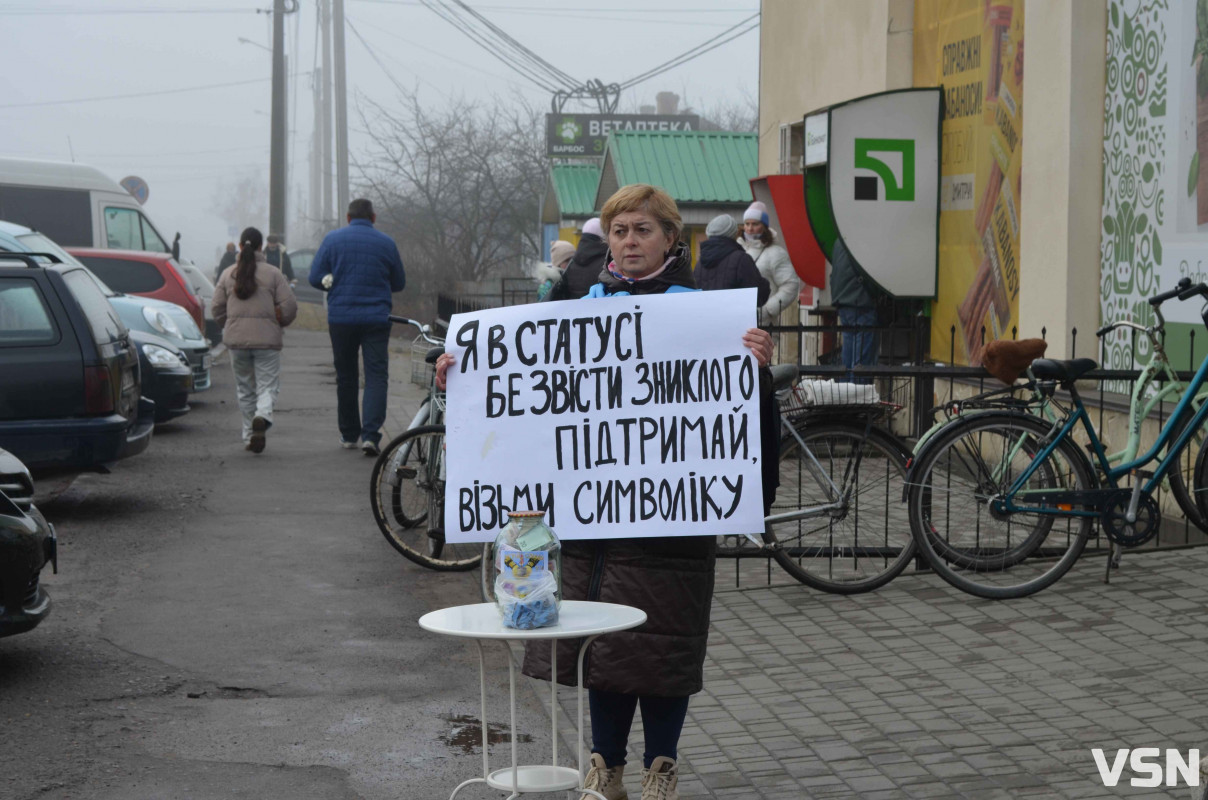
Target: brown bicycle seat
1006 359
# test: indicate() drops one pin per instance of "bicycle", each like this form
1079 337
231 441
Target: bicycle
833 524
1002 503
407 487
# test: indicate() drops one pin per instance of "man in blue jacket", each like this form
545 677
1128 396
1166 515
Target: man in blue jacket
364 268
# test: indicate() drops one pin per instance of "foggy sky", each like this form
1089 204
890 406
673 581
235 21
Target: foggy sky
188 145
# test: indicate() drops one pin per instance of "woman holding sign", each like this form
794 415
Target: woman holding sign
659 665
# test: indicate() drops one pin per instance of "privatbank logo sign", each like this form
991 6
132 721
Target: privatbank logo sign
899 183
1149 767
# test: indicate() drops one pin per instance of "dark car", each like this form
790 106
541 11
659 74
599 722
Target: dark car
27 544
167 377
69 397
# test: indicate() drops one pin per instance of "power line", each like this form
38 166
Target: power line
140 94
646 9
374 56
440 54
695 52
479 39
44 12
508 40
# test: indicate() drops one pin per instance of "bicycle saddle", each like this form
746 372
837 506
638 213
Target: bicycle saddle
433 354
783 376
1070 370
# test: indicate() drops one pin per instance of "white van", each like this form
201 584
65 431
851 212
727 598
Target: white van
76 205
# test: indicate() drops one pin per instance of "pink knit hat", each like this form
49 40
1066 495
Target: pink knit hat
757 211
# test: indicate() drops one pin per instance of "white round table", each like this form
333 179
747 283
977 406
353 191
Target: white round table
576 618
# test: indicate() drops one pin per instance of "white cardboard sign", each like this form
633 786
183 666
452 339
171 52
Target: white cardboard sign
619 417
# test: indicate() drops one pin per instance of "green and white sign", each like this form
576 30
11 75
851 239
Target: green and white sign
568 135
883 186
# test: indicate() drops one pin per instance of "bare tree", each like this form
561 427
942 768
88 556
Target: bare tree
242 202
458 188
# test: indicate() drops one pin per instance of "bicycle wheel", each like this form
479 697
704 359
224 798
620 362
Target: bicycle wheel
863 541
407 495
995 556
1185 474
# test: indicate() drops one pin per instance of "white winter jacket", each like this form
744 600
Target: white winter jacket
774 265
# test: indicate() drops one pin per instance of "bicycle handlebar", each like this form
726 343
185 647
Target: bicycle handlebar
1177 291
1192 291
1182 290
424 330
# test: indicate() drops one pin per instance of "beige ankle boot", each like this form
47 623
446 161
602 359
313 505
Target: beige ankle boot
659 782
605 780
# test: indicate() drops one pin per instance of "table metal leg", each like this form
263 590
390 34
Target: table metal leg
512 704
553 701
579 698
482 714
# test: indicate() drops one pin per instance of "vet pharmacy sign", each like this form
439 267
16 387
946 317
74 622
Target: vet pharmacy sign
568 135
883 183
618 417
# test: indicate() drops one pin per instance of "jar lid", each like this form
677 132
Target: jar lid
525 514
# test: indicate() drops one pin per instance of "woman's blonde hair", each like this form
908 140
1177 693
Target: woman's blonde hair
647 198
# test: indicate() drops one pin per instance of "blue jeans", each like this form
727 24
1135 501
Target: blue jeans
859 347
371 341
612 717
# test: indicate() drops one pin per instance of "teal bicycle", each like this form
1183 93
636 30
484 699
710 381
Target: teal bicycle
1002 502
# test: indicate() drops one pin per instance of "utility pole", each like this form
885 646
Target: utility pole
315 211
325 216
276 178
341 110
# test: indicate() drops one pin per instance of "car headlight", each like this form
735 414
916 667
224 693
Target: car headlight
161 322
162 356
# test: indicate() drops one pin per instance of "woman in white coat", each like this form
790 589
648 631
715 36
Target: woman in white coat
773 262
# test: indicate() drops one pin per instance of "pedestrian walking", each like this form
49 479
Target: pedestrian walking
657 666
228 258
585 267
855 297
253 303
725 265
772 259
365 269
548 275
274 252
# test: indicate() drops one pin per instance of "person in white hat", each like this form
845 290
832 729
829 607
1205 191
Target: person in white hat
773 263
547 275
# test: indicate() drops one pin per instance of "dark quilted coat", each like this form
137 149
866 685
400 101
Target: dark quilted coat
365 267
725 265
670 578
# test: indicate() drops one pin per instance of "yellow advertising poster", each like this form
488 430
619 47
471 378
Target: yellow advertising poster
973 49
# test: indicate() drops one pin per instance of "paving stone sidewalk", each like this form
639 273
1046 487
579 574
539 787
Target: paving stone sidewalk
920 691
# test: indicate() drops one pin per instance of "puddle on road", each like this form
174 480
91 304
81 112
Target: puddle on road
466 734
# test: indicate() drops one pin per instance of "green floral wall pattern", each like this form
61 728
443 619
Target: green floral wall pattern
1136 135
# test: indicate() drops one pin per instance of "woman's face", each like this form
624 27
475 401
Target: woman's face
753 227
638 243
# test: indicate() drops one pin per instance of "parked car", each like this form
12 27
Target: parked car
167 376
301 260
138 313
143 273
76 205
69 398
201 285
27 544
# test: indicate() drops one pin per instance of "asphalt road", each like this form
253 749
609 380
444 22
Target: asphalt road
228 625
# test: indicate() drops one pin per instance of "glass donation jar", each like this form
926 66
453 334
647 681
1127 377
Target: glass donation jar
528 572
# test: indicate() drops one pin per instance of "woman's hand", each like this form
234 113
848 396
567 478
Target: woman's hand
443 363
759 342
